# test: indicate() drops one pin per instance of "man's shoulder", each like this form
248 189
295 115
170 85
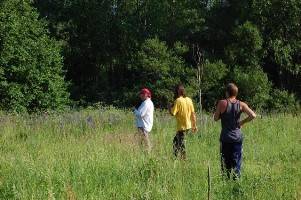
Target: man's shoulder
179 99
243 104
223 101
189 100
222 104
149 102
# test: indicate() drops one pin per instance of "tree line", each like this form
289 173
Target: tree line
57 53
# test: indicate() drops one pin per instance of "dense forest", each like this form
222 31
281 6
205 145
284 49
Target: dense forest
58 53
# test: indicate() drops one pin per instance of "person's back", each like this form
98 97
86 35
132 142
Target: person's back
230 119
182 110
229 111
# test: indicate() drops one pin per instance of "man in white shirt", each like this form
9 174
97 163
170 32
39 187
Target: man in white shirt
144 117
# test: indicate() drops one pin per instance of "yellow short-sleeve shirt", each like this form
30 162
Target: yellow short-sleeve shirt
182 110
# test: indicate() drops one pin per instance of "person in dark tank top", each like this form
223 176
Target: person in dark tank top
229 111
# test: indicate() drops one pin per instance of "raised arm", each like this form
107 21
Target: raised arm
251 114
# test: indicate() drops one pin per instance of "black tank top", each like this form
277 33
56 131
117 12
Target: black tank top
230 123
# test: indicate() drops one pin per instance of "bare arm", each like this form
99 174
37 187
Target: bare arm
251 114
193 122
169 108
173 108
217 114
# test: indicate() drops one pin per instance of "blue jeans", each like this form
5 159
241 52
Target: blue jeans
231 158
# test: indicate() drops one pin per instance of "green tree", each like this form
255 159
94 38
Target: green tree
160 68
254 86
246 47
101 38
104 42
215 74
282 101
31 76
244 56
279 23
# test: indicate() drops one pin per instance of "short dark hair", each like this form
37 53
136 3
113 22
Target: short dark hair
180 91
232 90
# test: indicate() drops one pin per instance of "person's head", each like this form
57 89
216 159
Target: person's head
231 90
144 94
179 91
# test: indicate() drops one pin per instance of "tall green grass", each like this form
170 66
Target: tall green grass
92 154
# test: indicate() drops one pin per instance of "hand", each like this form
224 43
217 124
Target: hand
240 124
194 129
170 108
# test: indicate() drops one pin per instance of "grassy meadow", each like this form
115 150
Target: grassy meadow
93 154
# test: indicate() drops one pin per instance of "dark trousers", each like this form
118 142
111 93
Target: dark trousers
231 157
179 144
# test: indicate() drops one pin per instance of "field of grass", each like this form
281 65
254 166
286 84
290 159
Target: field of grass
93 154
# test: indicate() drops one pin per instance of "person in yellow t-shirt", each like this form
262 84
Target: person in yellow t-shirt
183 110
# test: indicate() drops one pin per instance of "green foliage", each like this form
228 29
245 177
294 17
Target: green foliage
102 40
254 87
160 69
283 101
284 55
213 81
279 22
180 49
31 75
214 74
247 45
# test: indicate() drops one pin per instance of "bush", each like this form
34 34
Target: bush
212 82
246 49
282 101
31 76
254 87
160 68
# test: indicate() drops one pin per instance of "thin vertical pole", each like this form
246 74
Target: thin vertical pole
209 181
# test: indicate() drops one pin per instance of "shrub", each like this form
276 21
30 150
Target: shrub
31 76
160 68
282 101
212 82
254 86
